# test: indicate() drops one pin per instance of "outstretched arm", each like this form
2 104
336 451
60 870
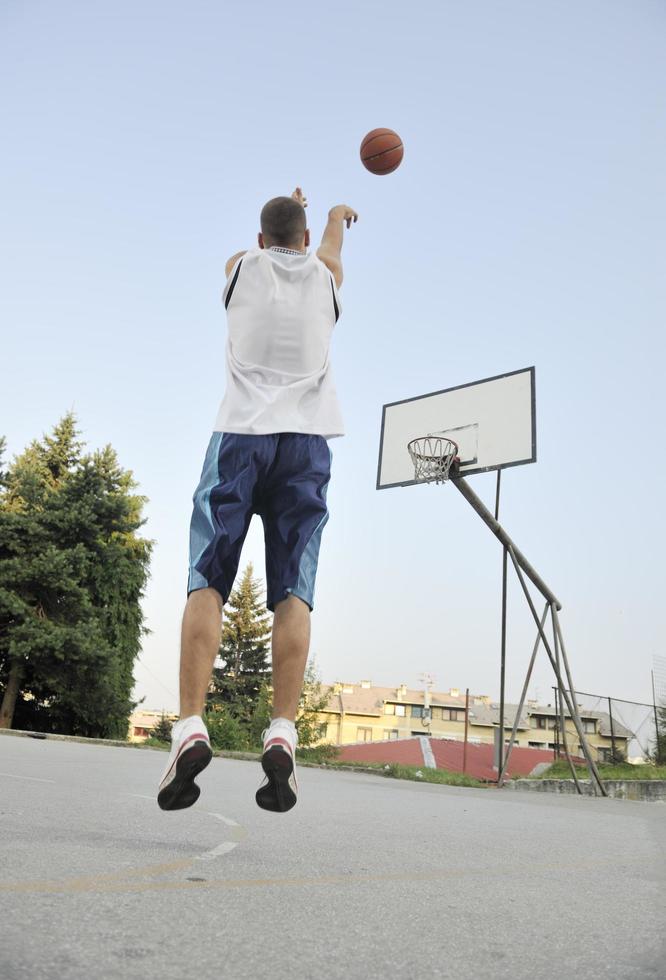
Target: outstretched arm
331 241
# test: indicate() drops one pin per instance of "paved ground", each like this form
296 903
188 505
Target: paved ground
367 877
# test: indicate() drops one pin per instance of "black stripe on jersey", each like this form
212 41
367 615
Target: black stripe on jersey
232 285
335 302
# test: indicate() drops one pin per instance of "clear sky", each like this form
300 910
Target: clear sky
526 225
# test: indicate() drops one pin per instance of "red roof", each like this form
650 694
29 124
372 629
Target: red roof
448 755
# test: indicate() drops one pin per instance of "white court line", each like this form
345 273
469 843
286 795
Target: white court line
229 822
33 779
239 832
218 851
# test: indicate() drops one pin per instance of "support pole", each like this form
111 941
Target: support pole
521 565
523 695
612 727
500 757
563 722
466 728
463 486
571 702
573 707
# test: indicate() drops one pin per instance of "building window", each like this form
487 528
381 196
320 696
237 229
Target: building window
364 734
417 711
537 745
589 726
400 710
389 709
453 714
436 714
391 733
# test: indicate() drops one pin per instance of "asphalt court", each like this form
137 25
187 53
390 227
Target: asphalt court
366 877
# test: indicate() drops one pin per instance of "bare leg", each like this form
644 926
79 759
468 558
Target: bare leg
291 642
200 642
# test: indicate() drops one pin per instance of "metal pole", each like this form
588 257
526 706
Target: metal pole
500 757
610 715
594 774
562 718
523 695
466 727
461 484
556 749
573 707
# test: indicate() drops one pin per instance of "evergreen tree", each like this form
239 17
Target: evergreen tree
162 730
244 649
72 573
313 700
660 746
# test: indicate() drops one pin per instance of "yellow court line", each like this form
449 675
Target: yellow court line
105 883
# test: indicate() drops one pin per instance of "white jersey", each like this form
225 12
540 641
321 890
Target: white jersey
282 307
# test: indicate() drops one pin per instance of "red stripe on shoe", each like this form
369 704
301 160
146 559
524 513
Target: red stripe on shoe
278 740
198 736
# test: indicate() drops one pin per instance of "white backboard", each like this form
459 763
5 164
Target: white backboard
493 421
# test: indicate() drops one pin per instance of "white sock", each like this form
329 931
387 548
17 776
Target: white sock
283 721
178 725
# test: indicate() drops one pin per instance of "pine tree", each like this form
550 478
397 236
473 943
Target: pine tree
244 650
72 573
162 730
312 702
660 746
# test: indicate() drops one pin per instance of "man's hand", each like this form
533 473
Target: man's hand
299 196
344 213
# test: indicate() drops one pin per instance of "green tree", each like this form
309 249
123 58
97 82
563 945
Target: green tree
237 683
226 731
72 573
162 730
313 701
660 741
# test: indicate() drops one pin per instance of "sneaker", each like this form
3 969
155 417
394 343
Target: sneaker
279 789
190 753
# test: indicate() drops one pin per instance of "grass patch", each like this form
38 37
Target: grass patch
623 770
442 776
317 753
157 743
418 774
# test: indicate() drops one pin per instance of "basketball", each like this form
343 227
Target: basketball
381 151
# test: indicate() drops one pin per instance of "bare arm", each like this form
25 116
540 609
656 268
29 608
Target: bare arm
331 241
232 262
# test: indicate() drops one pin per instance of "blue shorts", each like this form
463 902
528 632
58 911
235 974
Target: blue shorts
284 479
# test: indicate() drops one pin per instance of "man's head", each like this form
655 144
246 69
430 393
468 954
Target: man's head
283 223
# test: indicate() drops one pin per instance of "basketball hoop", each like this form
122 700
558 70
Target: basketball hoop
432 457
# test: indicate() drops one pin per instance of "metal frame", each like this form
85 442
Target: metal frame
556 653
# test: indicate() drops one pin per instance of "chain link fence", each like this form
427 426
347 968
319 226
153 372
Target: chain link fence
617 730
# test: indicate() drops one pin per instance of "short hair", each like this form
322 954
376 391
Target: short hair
283 221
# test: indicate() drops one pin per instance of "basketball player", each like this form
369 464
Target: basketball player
268 455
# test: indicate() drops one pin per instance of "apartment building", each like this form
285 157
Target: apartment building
362 712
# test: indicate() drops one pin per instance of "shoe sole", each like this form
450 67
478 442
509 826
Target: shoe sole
182 791
277 795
